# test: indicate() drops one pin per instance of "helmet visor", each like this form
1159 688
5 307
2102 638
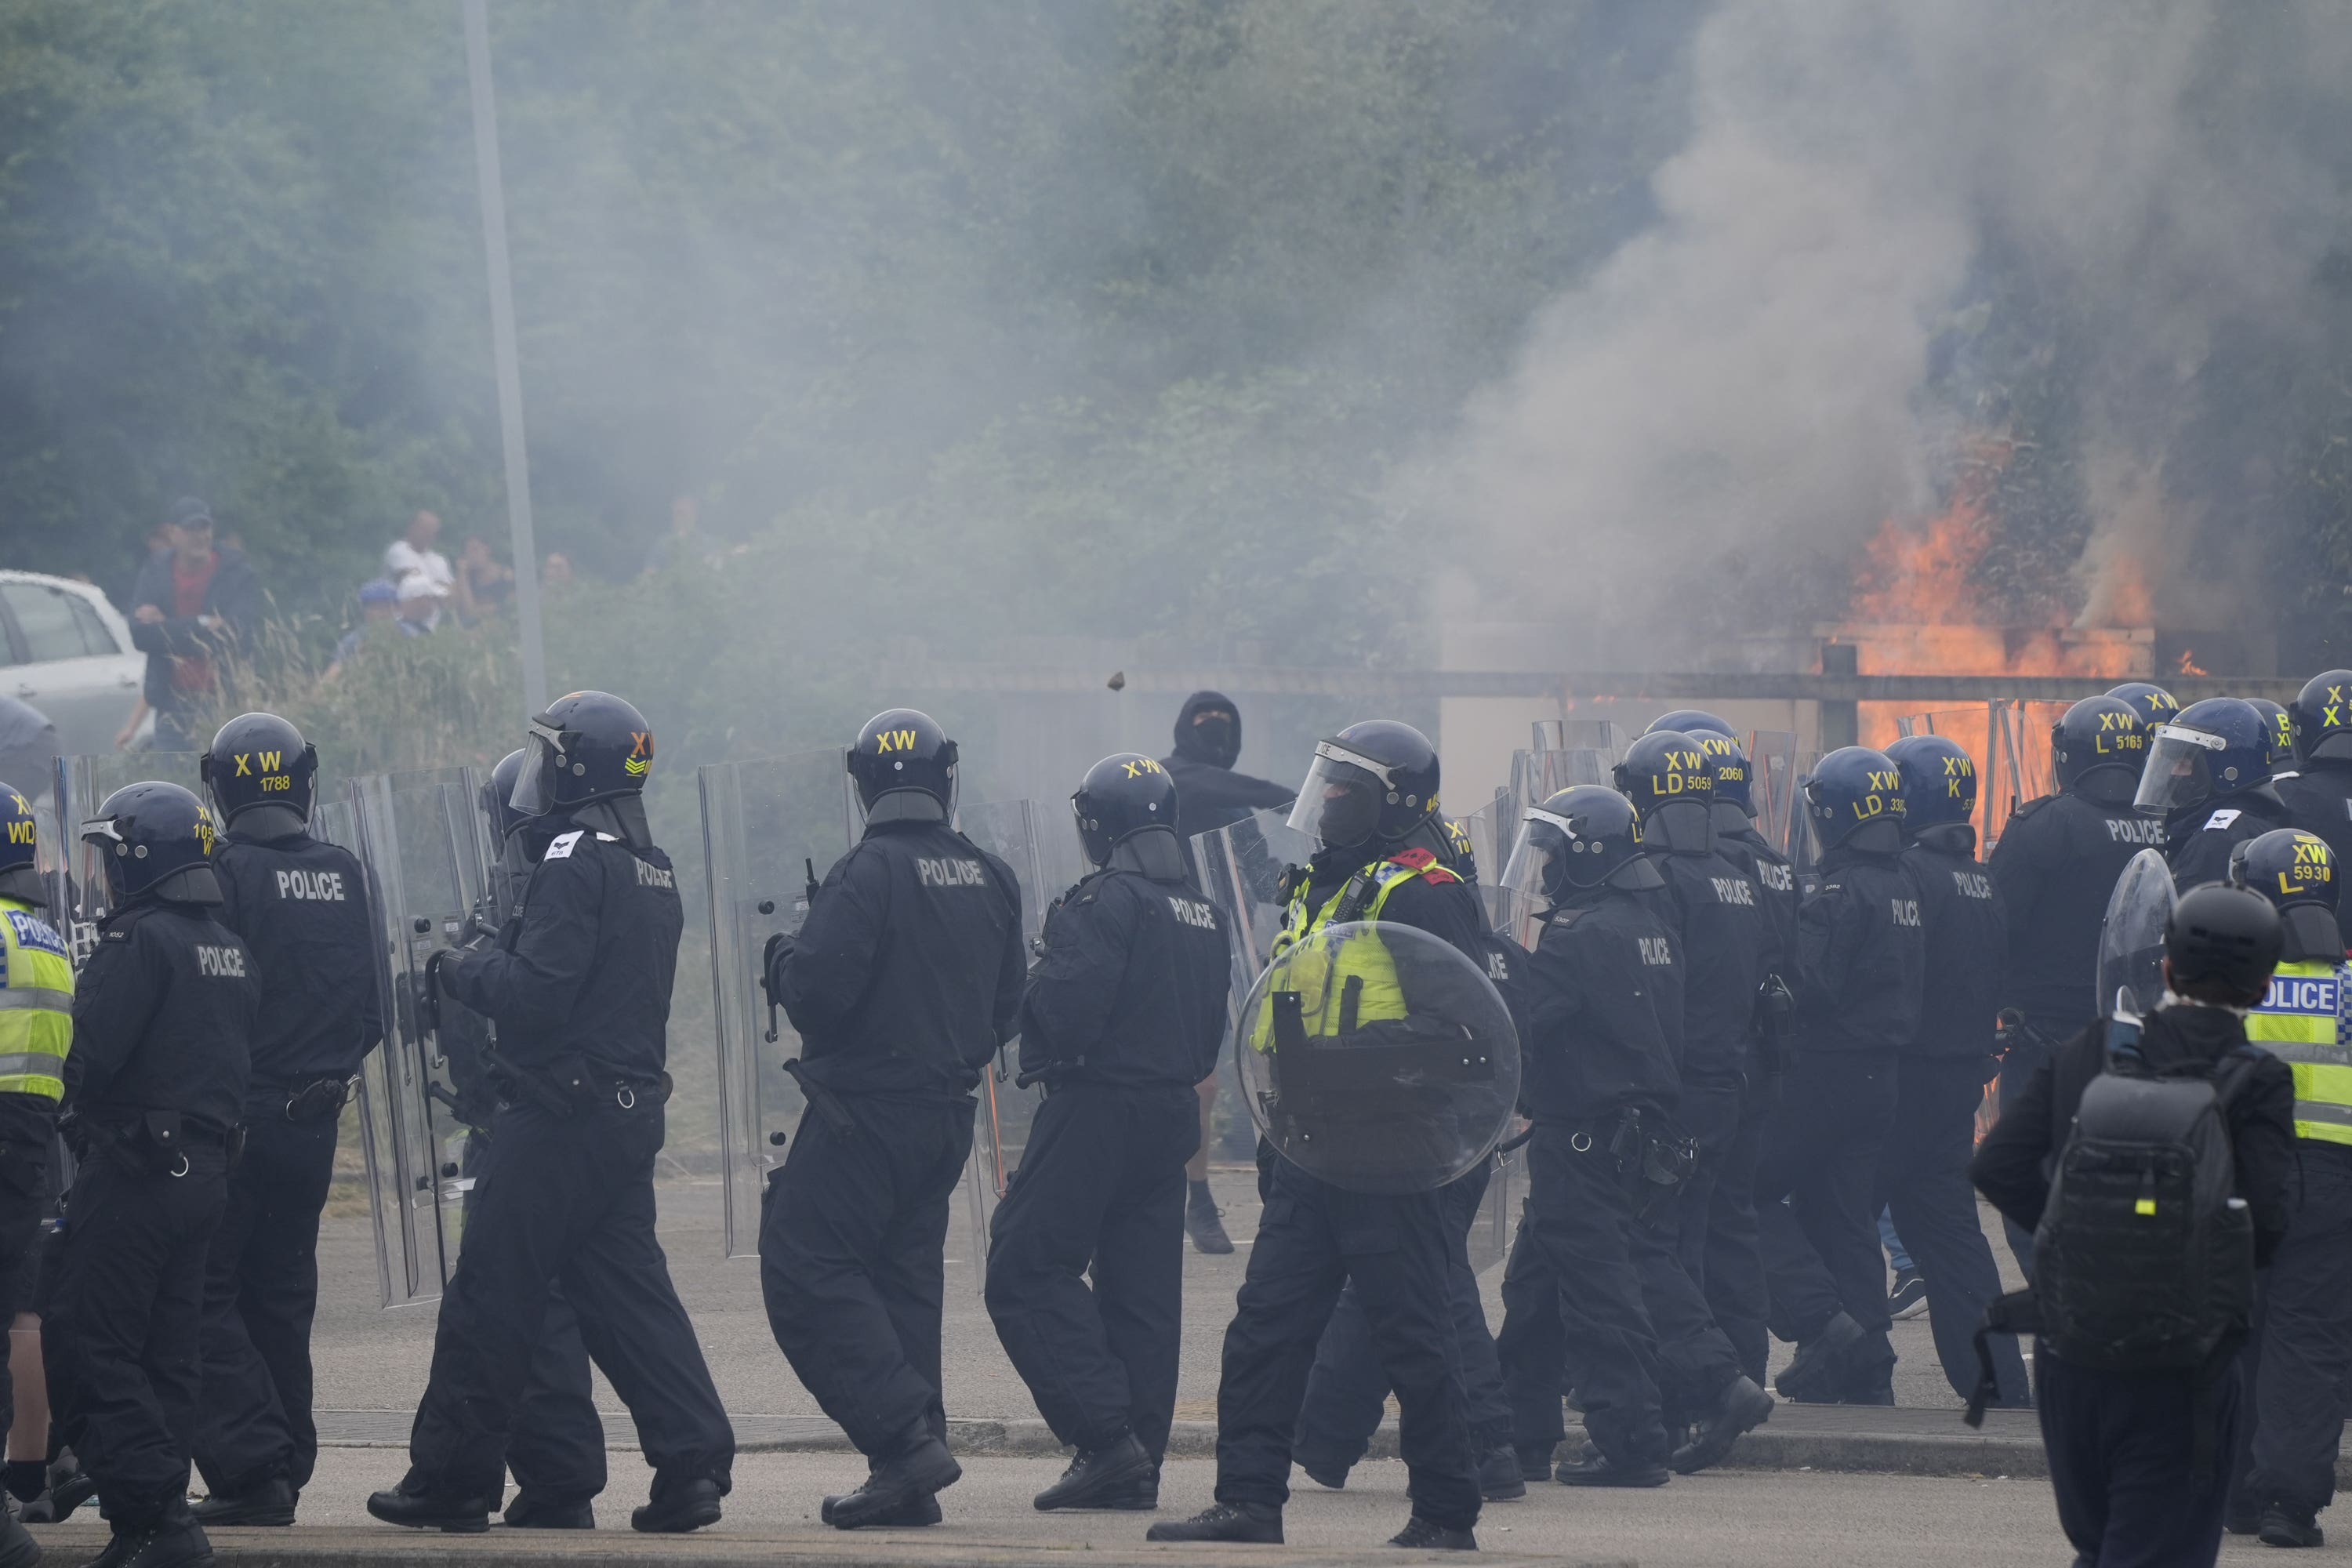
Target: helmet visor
2178 772
534 790
1340 802
1534 869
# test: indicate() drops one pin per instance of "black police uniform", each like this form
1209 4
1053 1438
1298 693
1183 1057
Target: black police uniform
2318 799
1733 1272
1122 1017
1725 941
162 1014
2122 1444
1939 1087
300 906
1861 957
579 988
1209 794
1314 1238
902 983
2197 839
1604 999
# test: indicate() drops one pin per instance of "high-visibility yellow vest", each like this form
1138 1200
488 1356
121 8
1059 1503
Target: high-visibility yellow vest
2301 1021
1321 973
36 1004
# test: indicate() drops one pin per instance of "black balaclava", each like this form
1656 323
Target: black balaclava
1216 740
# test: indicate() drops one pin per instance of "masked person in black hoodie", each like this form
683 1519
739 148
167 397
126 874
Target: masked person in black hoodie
1861 953
1123 1015
301 906
1924 1172
1209 795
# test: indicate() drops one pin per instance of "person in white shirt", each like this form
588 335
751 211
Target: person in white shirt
413 555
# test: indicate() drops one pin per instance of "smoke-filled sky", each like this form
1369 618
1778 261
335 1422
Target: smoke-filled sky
2102 229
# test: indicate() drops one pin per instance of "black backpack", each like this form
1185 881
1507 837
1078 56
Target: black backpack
2144 1260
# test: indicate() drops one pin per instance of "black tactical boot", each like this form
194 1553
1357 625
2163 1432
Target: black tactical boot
272 1502
1535 1461
1741 1408
1500 1478
1594 1468
1203 1222
687 1506
17 1547
70 1491
1427 1535
1823 1366
531 1511
1097 1473
920 1464
412 1505
924 1510
1250 1521
175 1541
2283 1526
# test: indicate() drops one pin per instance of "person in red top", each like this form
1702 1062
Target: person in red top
188 609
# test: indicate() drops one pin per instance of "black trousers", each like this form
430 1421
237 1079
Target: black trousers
261 1291
2299 1362
852 1237
2122 1450
1312 1239
2026 1048
1925 1179
1574 1312
24 1202
1346 1391
1101 1190
1695 1360
1821 1254
122 1332
568 1201
1732 1275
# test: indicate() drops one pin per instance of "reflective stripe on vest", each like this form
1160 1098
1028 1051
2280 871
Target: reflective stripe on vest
36 1005
2300 1021
1321 975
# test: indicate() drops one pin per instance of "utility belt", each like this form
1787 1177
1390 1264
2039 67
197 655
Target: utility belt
575 1088
311 1099
154 1142
1651 1160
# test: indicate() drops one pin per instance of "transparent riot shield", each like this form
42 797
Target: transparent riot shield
1772 783
419 837
1537 775
1011 831
78 898
772 827
1378 1058
2131 942
1601 735
1241 872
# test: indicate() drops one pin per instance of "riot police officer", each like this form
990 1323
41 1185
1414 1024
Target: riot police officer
578 989
1369 801
2281 728
1122 1017
154 1088
1716 914
1861 957
2208 776
1946 1063
1604 1000
555 1450
1210 794
2151 704
300 905
2300 1351
1732 1268
2317 786
2055 865
903 981
36 984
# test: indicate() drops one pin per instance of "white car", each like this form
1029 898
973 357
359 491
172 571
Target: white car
66 651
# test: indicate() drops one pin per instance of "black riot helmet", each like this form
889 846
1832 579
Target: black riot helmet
588 746
1854 796
20 850
1939 781
2282 730
1124 794
2100 748
1377 780
1692 721
498 797
2152 702
2321 718
260 759
2296 872
1578 840
2221 944
902 751
2216 747
1666 775
157 842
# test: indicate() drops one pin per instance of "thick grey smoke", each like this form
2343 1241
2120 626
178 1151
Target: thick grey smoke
1793 352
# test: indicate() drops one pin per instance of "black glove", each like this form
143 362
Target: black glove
773 956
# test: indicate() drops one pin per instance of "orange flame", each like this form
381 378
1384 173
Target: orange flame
2189 665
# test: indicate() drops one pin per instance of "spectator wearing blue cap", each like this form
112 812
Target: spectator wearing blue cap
378 601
